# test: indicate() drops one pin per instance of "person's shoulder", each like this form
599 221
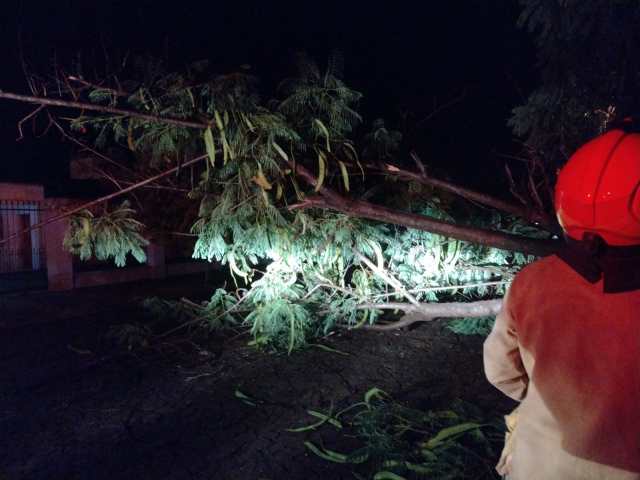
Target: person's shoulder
551 263
536 272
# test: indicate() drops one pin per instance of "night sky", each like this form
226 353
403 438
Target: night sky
399 54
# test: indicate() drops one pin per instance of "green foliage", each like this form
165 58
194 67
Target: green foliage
217 313
398 442
381 144
588 61
314 282
113 235
322 96
298 273
471 326
218 310
280 323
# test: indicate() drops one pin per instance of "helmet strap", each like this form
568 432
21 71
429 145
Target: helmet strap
593 259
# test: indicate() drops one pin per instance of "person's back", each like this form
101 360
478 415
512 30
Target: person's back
567 340
580 352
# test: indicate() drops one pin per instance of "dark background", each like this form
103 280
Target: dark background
401 55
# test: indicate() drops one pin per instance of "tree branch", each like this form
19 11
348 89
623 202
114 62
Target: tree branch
52 102
21 122
85 146
82 81
330 199
360 209
468 194
437 109
426 312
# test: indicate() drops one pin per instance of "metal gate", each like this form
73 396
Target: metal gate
22 259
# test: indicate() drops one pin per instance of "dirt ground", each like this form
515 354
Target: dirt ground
74 407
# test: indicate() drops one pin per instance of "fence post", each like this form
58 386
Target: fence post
59 261
156 261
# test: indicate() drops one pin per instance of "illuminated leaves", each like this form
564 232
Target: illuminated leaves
113 235
210 146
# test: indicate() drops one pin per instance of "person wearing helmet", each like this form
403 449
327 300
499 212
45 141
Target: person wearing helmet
566 343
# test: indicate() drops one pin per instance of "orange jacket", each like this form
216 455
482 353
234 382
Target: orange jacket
571 354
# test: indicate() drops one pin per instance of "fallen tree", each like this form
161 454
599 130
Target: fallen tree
289 197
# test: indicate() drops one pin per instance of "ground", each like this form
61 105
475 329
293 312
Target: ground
74 407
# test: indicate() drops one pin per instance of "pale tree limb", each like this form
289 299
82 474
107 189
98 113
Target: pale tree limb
505 241
426 312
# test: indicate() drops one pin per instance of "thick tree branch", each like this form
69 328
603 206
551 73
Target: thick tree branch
360 209
426 312
330 199
468 194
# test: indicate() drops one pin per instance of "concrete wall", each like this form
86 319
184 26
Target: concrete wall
21 191
59 262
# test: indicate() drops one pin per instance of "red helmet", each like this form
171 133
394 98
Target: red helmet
598 189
